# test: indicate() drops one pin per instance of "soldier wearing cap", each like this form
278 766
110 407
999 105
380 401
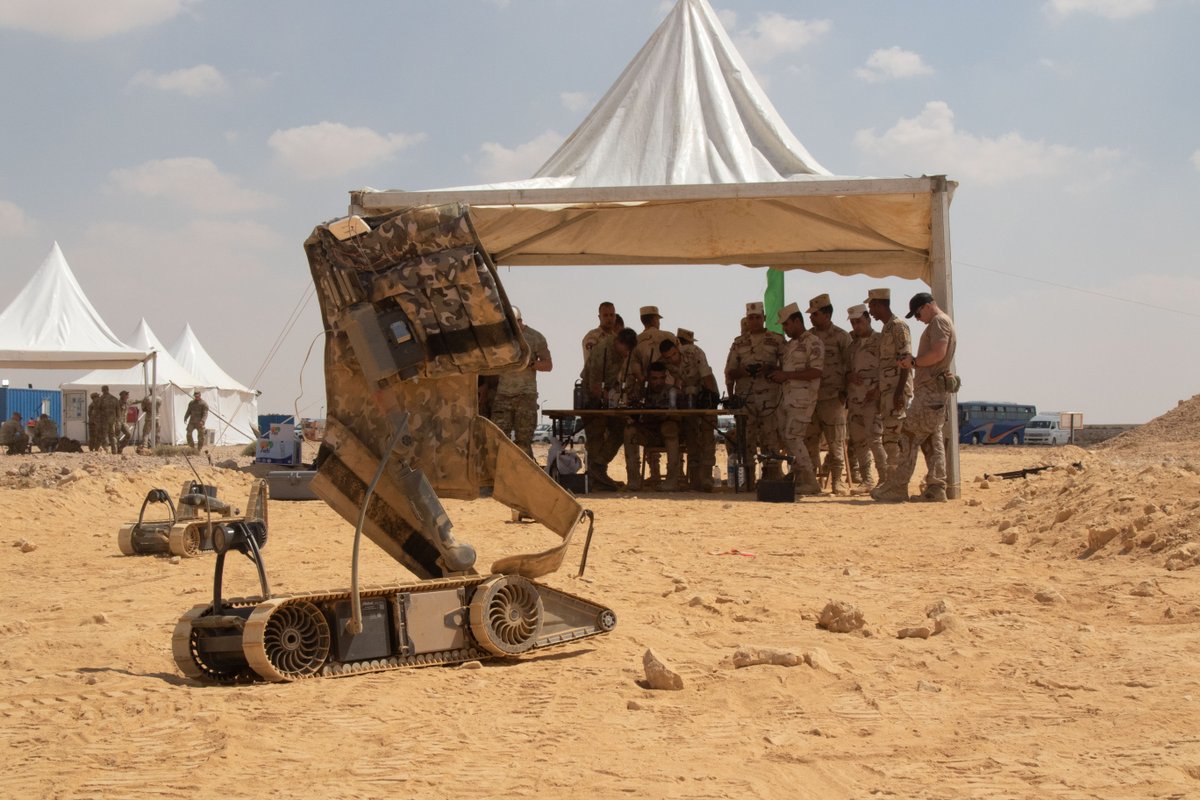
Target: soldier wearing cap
121 429
106 420
862 399
895 381
799 376
688 372
13 436
195 416
829 417
607 329
515 409
927 413
648 342
653 432
606 367
752 356
45 434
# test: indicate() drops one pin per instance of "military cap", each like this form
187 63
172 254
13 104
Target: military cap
819 302
854 312
754 309
685 336
516 312
646 311
878 294
786 312
918 300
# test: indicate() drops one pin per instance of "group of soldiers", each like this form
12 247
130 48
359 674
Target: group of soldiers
863 392
106 421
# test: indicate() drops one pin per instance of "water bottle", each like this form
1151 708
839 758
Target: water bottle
580 396
672 394
716 475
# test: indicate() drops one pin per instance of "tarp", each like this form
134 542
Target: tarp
51 324
233 408
686 161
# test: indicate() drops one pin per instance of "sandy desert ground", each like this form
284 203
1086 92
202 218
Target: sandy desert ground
1067 607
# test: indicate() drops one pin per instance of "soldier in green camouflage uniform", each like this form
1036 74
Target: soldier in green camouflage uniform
799 375
752 356
106 420
607 361
862 399
895 382
653 432
195 416
829 418
607 314
93 429
515 408
689 372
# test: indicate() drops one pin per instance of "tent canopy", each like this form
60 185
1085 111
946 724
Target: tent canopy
188 351
234 408
686 161
168 370
51 324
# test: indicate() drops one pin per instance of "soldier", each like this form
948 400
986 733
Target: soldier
515 409
692 378
862 399
122 430
895 382
647 350
106 420
144 419
195 416
45 434
829 418
607 362
653 432
607 314
752 356
93 428
927 413
799 375
13 436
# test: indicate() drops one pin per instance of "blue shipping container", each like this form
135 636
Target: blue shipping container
31 404
265 421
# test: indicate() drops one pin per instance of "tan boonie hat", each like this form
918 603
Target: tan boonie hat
878 294
819 302
685 336
854 312
754 309
648 310
786 312
516 312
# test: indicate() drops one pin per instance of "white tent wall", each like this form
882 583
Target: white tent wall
232 407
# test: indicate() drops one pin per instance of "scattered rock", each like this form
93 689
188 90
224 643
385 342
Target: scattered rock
176 559
100 619
752 656
471 665
1063 515
28 547
915 632
1145 589
946 623
937 608
1048 595
228 463
72 477
1005 524
1010 536
658 674
818 658
974 501
927 686
984 484
840 617
18 542
632 705
1016 502
1097 537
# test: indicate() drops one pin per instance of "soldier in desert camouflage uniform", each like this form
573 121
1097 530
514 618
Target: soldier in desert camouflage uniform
606 364
653 432
93 426
607 314
799 376
895 382
829 418
106 420
515 408
862 399
648 341
691 376
752 356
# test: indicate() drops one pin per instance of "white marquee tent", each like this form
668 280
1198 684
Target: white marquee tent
686 161
233 407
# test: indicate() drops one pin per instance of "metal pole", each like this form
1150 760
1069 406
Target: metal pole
942 284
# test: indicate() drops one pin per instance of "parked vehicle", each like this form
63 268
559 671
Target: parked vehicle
991 422
1046 429
724 426
543 433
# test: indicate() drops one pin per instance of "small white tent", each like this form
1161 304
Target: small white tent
173 388
233 408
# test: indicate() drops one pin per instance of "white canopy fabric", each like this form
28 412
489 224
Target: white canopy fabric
686 161
174 385
51 324
234 406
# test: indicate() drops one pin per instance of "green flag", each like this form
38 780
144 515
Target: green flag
773 299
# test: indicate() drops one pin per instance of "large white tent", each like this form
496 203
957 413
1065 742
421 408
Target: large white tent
51 324
233 407
173 385
686 161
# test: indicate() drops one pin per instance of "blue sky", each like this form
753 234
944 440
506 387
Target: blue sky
180 151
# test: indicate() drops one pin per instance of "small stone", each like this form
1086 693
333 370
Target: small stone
914 632
1097 537
1169 613
634 705
19 542
658 674
752 656
1063 515
984 484
974 501
946 623
849 571
471 665
840 617
1147 539
1085 628
175 559
1009 536
1145 589
28 547
100 619
938 608
1016 502
1048 595
927 686
1005 524
818 658
228 463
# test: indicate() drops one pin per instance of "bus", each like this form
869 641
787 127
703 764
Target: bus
991 422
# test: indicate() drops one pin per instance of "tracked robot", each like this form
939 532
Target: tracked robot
189 527
414 312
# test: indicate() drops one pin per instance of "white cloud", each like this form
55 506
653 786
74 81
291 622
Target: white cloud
1111 9
195 183
194 81
893 63
499 163
84 20
1196 159
774 34
14 221
930 143
330 149
575 101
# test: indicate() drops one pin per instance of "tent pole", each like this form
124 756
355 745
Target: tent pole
942 283
154 401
